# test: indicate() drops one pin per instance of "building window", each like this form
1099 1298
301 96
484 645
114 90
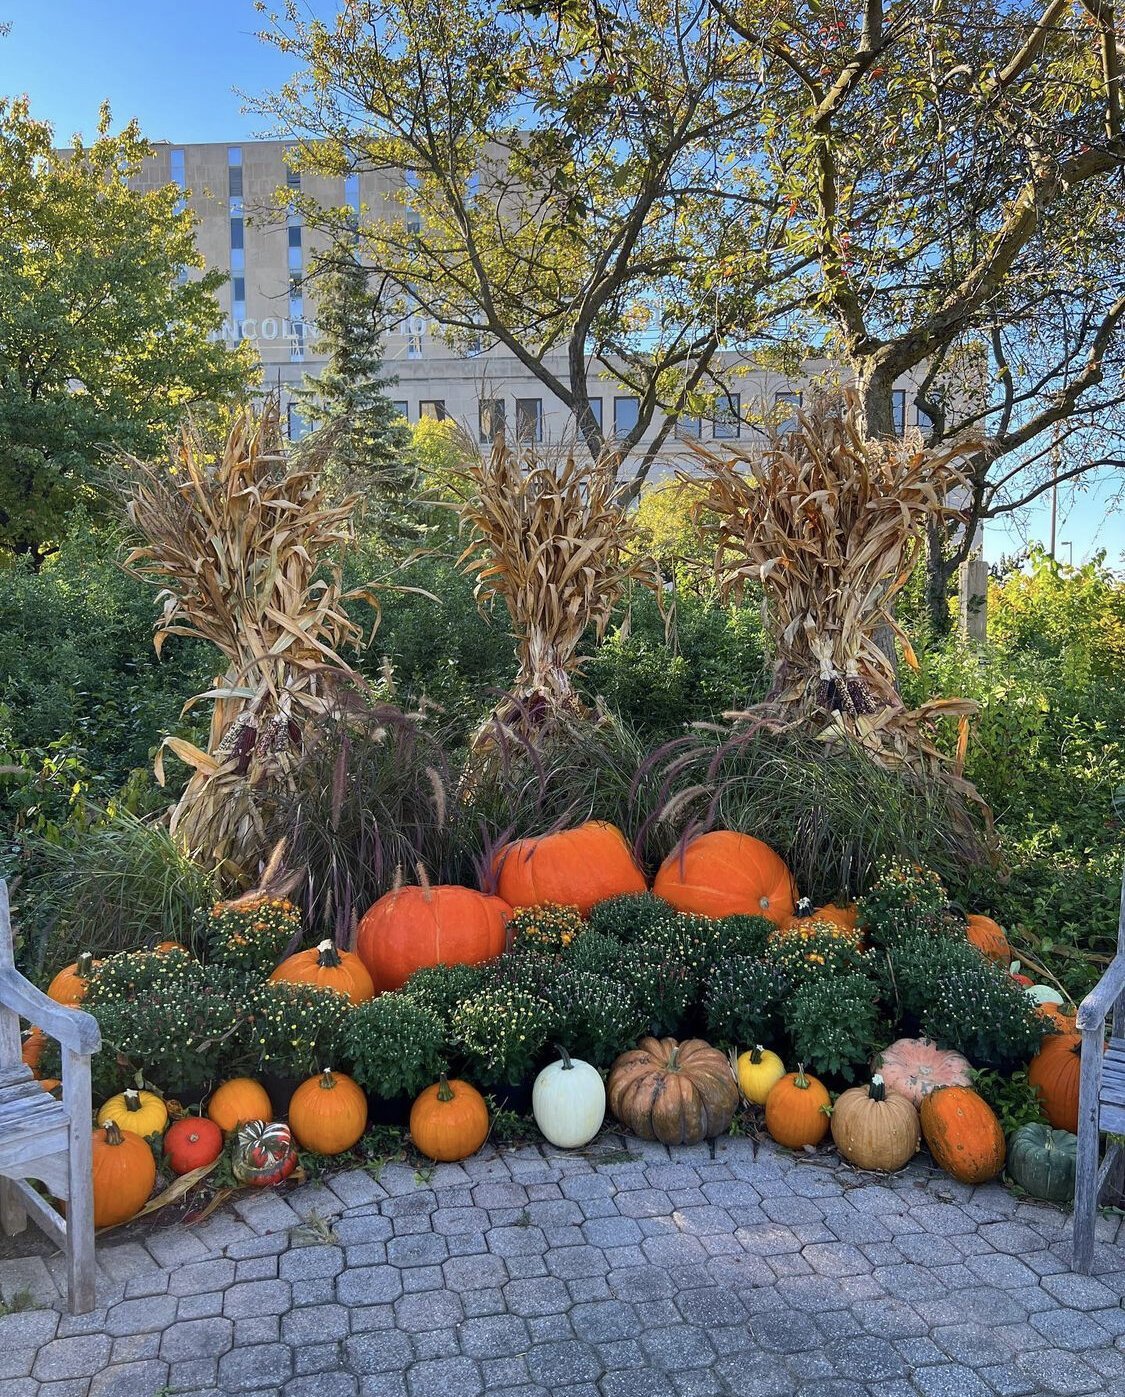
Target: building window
234 172
238 288
491 419
294 257
596 409
898 411
727 422
787 424
414 347
292 176
176 166
236 235
413 221
236 208
689 428
626 415
432 407
297 343
237 259
529 419
297 426
294 234
402 407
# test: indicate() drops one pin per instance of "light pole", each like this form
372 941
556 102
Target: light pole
1066 543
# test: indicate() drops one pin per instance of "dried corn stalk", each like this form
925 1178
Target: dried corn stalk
551 541
246 550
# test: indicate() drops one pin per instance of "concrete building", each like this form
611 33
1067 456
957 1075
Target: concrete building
237 193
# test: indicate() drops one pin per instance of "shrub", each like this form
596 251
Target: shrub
903 900
395 1044
834 1024
503 1032
252 936
982 1012
918 966
595 953
742 935
294 1030
441 988
667 978
628 917
548 928
742 1002
530 971
816 950
598 1017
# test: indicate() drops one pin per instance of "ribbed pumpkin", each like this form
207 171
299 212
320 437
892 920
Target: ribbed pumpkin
759 1071
677 1093
874 1128
962 1133
797 1110
329 968
238 1101
31 1050
413 927
575 867
449 1121
328 1113
723 874
264 1153
914 1067
70 984
191 1142
124 1172
142 1112
1042 1161
1054 1070
989 938
842 917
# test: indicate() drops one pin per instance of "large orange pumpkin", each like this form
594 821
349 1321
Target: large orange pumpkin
240 1100
723 874
328 968
989 938
449 1121
963 1134
1054 1070
328 1114
797 1110
411 928
69 985
124 1173
575 867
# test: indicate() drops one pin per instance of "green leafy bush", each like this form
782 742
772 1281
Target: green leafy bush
904 899
820 950
597 1017
628 917
294 1030
595 953
546 929
252 936
743 1001
1013 1098
441 988
834 1024
742 935
982 1012
503 1032
396 1046
667 981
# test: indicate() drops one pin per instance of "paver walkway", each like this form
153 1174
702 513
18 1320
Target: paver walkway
530 1272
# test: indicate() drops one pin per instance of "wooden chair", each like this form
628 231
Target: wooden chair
1101 1097
42 1138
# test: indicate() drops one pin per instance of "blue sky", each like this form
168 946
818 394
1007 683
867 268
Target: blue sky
176 65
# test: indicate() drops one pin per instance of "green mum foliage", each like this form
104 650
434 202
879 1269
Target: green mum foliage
834 1024
395 1044
742 1002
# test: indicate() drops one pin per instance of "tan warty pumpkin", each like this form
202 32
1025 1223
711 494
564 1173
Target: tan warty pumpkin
874 1128
678 1093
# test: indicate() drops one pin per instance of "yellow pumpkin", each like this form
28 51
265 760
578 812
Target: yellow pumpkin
759 1071
140 1112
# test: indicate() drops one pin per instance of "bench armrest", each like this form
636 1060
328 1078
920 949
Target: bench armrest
1095 1008
73 1028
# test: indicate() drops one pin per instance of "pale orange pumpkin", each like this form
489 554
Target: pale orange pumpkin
574 867
914 1067
989 938
874 1128
413 927
124 1173
724 874
240 1100
328 1113
329 968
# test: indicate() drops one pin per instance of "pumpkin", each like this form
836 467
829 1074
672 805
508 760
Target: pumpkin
412 927
191 1143
962 1133
723 874
989 938
70 984
1054 1071
913 1067
31 1050
1042 1161
677 1093
449 1121
240 1100
142 1112
874 1128
52 1085
575 867
759 1071
843 918
328 1114
168 948
797 1110
330 969
264 1153
124 1173
1064 1020
568 1102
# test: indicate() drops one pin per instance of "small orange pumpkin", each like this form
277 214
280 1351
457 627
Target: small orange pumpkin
843 918
34 1041
449 1121
1064 1020
124 1173
797 1110
240 1100
989 938
575 867
724 874
192 1142
328 1114
1054 1071
963 1134
328 968
70 984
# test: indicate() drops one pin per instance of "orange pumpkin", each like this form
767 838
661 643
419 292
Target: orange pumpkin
962 1133
723 874
167 948
797 1110
124 1173
843 918
449 1121
575 867
53 1085
1054 1071
328 1114
192 1142
414 927
69 985
328 968
989 938
1065 1020
240 1100
34 1041
677 1093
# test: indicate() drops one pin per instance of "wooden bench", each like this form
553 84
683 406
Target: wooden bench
1101 1097
42 1138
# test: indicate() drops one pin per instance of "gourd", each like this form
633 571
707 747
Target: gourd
914 1067
328 968
124 1172
263 1154
723 874
1055 1071
449 1121
414 927
797 1110
70 984
328 1113
759 1071
577 867
678 1093
568 1102
962 1133
192 1142
989 938
1042 1161
874 1128
240 1100
142 1112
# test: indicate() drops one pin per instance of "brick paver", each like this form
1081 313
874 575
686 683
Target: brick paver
531 1273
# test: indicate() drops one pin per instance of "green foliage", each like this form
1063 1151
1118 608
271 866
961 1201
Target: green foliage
251 937
294 1030
503 1032
595 953
597 1017
548 928
742 1001
666 974
440 988
834 1024
1013 1098
628 917
743 935
822 951
904 899
396 1045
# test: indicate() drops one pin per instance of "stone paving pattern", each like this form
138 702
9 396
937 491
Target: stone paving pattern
529 1272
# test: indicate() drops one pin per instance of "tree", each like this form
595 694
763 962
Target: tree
103 340
370 443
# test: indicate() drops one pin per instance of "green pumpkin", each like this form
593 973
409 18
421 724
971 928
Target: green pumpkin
1041 1162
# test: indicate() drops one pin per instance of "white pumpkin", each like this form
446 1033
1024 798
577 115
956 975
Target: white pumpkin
568 1102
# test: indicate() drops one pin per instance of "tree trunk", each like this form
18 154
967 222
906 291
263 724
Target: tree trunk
877 409
939 569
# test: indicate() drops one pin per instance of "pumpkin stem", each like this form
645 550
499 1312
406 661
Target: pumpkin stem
113 1135
84 965
132 1099
327 955
327 1081
562 1052
756 1054
877 1091
800 1080
804 907
673 1063
444 1091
